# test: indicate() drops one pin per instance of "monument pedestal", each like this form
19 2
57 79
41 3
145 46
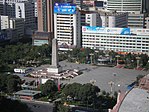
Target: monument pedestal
53 69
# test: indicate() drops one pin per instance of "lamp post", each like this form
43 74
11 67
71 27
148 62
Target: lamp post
91 54
117 56
138 60
111 83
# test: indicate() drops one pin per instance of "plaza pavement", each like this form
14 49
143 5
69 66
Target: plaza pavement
101 76
136 100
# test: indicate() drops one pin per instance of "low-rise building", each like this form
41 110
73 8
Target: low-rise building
117 39
41 38
27 94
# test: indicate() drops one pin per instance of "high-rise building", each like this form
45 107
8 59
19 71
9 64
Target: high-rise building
44 35
107 19
124 5
9 7
67 26
78 3
136 9
145 6
45 15
25 10
18 25
4 22
93 19
1 9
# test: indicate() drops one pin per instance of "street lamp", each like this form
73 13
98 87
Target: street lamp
138 60
91 57
111 83
117 56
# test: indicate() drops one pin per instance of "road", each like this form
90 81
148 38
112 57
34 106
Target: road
39 106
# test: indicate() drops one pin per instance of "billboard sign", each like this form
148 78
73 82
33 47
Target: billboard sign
64 8
106 30
140 31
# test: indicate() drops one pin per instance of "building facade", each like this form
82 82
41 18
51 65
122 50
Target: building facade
4 22
25 10
124 5
18 25
136 20
45 15
136 9
106 19
117 39
113 19
93 19
67 26
147 22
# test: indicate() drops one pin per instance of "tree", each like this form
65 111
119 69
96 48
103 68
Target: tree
144 59
85 92
72 90
3 82
88 92
49 88
9 83
13 83
7 105
59 107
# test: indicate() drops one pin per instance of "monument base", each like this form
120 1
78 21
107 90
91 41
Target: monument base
54 69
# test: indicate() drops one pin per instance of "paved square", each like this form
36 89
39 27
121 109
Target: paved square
120 77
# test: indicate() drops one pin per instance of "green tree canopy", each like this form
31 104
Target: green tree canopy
49 88
85 92
7 105
9 83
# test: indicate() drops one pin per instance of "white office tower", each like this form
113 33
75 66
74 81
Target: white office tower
124 5
67 27
25 10
4 22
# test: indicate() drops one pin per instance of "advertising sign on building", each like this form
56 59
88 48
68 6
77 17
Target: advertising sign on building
106 30
64 8
140 31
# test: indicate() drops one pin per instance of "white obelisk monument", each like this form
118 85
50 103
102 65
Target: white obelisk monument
55 67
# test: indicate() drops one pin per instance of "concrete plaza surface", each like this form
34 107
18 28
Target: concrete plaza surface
137 100
102 76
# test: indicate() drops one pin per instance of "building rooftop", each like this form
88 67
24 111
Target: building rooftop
27 92
137 100
103 13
